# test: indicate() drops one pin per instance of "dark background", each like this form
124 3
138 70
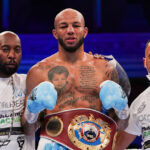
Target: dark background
117 27
36 16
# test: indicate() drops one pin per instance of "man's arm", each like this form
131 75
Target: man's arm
121 117
41 94
31 82
122 140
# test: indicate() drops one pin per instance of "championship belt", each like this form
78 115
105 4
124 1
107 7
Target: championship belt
80 129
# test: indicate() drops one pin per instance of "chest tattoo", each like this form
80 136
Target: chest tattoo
59 77
87 77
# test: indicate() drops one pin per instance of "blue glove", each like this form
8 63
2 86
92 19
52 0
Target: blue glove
112 96
43 96
54 146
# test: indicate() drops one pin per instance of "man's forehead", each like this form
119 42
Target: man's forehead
68 22
9 40
69 17
9 35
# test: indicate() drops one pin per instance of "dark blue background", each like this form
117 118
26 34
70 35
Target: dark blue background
128 49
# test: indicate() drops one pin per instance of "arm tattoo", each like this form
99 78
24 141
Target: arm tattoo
112 74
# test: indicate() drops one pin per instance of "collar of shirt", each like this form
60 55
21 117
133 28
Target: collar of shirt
148 76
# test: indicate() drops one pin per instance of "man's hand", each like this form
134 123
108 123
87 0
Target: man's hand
43 96
112 96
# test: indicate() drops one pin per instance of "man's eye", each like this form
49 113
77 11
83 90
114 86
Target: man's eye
17 50
62 27
5 50
76 26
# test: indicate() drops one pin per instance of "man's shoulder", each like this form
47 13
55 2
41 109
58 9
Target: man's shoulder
104 64
19 79
97 59
144 96
44 62
20 76
43 65
102 57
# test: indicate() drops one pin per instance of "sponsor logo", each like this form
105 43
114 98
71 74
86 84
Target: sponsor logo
20 141
89 133
143 119
141 108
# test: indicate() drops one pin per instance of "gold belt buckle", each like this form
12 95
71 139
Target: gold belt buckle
88 133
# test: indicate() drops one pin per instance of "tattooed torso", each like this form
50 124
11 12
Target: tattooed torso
77 84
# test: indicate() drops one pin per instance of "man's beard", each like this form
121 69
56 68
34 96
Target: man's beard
71 49
7 70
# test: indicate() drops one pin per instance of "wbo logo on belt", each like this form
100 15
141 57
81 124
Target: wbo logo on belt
89 133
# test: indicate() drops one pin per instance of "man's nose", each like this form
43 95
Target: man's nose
11 54
70 29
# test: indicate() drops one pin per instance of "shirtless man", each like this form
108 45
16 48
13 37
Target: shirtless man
85 78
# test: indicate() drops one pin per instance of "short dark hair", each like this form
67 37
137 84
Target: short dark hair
57 70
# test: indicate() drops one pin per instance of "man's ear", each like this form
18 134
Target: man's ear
85 32
54 33
144 62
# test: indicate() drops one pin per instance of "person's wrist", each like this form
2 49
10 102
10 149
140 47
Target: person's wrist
123 114
30 117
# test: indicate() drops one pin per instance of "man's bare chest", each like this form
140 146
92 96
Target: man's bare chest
83 78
